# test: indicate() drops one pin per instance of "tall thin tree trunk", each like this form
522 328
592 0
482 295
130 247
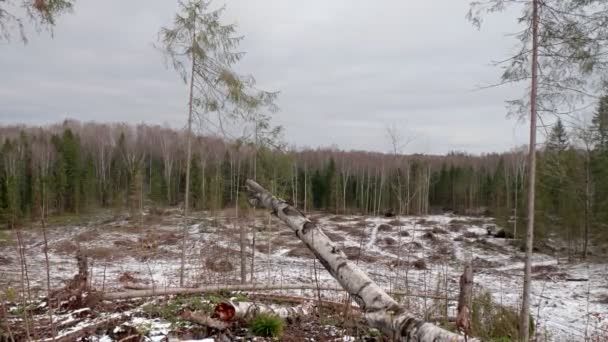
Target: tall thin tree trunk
587 203
188 162
524 323
242 245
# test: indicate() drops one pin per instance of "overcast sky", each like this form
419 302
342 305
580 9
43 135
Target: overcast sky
345 71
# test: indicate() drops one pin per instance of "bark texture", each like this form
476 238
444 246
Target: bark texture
230 310
381 310
463 320
524 317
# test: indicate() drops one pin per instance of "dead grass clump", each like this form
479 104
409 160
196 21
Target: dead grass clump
360 224
426 223
262 247
355 253
478 262
125 243
455 227
544 268
300 252
389 241
429 236
87 235
414 245
338 218
437 230
384 228
5 260
64 247
334 236
220 266
493 322
404 233
470 235
351 230
603 299
395 223
445 249
104 253
419 264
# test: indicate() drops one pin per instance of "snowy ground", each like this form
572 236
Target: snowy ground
125 250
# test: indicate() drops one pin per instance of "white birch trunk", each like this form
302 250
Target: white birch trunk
381 310
247 310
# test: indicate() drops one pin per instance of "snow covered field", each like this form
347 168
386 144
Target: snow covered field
391 250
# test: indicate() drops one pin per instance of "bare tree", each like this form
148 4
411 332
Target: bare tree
198 38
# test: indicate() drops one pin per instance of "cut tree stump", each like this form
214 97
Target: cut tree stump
381 310
463 320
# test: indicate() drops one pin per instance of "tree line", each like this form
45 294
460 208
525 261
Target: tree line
76 167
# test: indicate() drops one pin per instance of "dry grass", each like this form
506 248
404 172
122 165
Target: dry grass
385 228
360 224
426 223
429 236
478 262
5 260
338 218
64 247
438 230
351 230
87 235
470 235
404 233
104 253
419 264
455 226
334 236
300 252
220 266
355 253
389 241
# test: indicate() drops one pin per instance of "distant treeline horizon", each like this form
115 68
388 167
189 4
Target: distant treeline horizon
74 167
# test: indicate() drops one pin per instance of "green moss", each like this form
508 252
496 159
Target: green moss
266 325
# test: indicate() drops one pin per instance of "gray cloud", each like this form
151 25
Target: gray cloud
345 70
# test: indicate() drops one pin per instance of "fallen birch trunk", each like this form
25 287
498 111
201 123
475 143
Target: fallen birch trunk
139 290
381 310
230 310
152 292
201 318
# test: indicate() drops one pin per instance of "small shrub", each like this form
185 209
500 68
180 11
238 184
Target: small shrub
438 230
494 322
419 264
266 325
